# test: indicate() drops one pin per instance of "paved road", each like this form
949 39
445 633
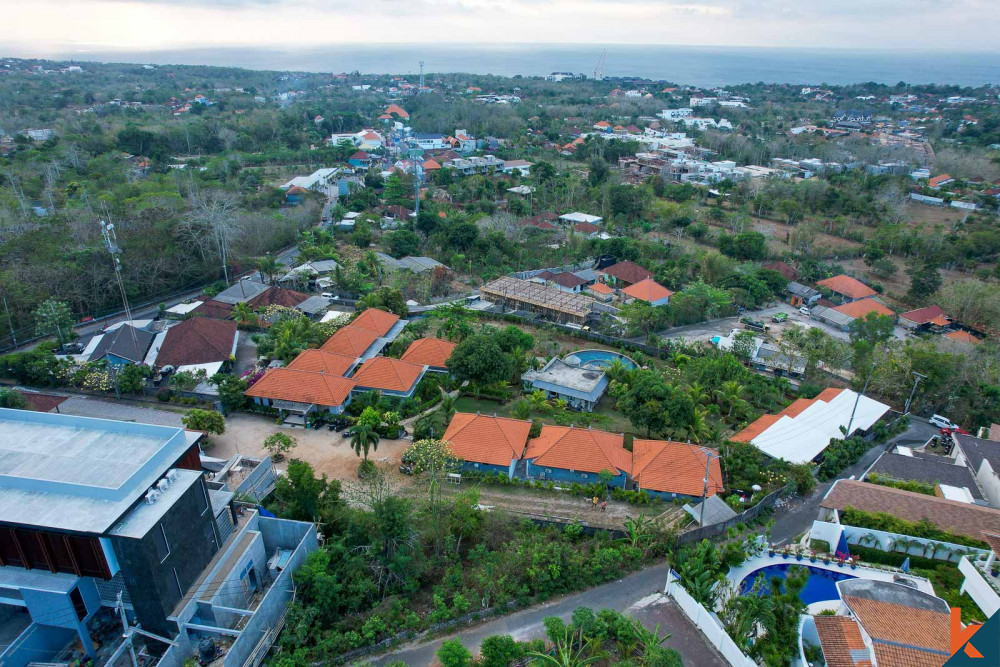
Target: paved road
640 594
796 517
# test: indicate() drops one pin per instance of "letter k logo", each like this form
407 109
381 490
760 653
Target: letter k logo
960 636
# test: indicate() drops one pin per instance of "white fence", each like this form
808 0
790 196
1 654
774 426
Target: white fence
708 624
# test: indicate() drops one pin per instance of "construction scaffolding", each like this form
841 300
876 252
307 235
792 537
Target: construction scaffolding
549 302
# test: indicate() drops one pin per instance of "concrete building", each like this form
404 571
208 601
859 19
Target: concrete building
579 386
95 511
568 454
487 444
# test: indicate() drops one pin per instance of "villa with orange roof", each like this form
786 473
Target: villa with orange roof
846 289
366 335
671 470
296 392
648 290
430 352
801 432
488 444
569 454
392 377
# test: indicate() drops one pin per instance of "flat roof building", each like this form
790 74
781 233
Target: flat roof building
579 386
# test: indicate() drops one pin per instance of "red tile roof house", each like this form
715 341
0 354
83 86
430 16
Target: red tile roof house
846 289
624 274
198 340
649 291
922 318
673 470
568 454
487 444
430 352
392 377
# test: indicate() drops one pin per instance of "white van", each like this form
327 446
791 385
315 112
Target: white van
942 422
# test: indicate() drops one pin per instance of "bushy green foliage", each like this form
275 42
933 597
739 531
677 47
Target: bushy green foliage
913 485
891 524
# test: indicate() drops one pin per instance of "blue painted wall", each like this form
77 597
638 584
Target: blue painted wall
472 466
570 476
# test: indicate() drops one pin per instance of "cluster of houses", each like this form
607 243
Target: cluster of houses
349 363
500 445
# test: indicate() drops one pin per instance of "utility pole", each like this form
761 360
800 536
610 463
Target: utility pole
126 635
128 632
709 455
421 89
111 243
417 173
917 377
857 398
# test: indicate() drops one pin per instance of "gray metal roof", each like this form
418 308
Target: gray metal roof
930 471
121 343
832 316
798 289
78 473
314 304
716 510
977 449
242 291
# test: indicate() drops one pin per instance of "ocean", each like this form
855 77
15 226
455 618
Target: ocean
694 65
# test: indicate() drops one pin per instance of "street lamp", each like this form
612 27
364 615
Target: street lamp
917 377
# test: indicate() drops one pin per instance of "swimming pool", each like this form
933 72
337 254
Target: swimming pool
598 359
820 587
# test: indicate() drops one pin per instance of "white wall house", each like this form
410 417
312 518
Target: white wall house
676 114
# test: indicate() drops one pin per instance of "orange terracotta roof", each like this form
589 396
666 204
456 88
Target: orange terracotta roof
376 320
861 308
298 386
938 180
484 439
388 374
674 467
350 341
923 315
829 394
963 337
580 449
600 288
839 636
398 110
647 290
847 286
902 624
431 165
755 429
602 123
429 352
940 321
318 361
890 655
797 407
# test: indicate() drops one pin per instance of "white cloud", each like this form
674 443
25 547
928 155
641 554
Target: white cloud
964 25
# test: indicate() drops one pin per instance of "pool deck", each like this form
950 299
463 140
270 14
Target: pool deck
603 355
737 575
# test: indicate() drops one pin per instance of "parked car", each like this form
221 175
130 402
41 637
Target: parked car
805 311
327 295
952 431
346 434
779 317
942 422
755 325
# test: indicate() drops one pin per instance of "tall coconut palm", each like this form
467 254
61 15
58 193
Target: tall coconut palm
268 267
244 314
698 393
363 439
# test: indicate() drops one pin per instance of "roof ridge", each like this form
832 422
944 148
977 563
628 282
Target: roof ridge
206 339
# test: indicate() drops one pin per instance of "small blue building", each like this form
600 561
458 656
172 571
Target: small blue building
580 386
122 346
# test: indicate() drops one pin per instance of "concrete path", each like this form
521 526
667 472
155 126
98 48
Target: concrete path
639 594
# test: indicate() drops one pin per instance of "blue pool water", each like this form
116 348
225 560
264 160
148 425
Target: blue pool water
820 587
598 359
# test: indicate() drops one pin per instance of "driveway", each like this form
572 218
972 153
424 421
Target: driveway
796 516
246 354
83 406
639 595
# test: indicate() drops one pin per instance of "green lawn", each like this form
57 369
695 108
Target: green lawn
605 417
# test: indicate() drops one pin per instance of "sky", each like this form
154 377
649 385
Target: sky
34 27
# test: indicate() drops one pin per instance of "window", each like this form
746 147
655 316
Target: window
177 580
79 606
583 475
203 503
161 544
476 465
548 470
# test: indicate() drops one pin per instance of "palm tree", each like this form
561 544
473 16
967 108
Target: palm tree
567 654
731 393
243 313
521 409
448 408
268 267
699 429
363 439
698 394
539 400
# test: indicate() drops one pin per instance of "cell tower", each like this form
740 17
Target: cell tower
111 243
421 77
418 172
